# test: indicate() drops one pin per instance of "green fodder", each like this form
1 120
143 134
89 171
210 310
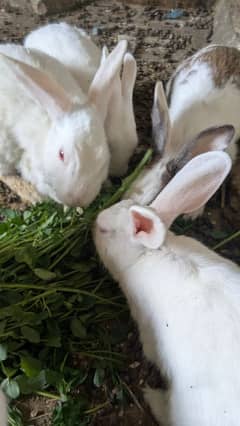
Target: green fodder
56 300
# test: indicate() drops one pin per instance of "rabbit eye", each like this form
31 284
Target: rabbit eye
61 155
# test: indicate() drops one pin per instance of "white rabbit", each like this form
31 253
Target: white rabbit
75 49
204 92
3 410
54 137
184 297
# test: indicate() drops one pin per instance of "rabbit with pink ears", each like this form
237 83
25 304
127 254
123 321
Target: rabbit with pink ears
73 47
184 297
52 132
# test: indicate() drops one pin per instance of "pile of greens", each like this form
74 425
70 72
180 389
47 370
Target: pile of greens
56 301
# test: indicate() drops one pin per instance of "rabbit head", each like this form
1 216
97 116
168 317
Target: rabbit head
173 154
74 158
125 232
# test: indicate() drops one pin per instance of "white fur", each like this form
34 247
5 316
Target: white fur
120 122
36 125
30 140
186 301
71 46
3 410
196 104
45 62
74 48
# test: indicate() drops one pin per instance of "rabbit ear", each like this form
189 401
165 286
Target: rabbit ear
212 139
128 77
192 186
102 84
122 94
147 227
161 125
105 53
40 86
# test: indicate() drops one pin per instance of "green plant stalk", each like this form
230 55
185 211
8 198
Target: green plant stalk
129 180
97 408
48 395
227 240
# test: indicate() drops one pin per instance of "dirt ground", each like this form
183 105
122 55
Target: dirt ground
158 44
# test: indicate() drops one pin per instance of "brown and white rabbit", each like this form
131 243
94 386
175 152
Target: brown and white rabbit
203 93
184 297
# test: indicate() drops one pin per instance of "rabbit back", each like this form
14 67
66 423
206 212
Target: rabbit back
71 46
205 92
188 314
44 62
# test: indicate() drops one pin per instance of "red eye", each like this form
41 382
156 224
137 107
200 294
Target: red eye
61 155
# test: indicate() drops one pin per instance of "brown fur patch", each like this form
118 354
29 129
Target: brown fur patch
224 61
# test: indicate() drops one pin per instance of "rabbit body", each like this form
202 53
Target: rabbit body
186 301
204 92
16 153
81 57
25 135
52 132
188 315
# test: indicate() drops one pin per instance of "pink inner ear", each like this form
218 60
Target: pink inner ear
142 223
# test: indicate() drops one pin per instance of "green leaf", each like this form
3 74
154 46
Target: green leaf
218 235
78 330
44 274
99 376
53 377
10 388
8 371
3 352
53 338
54 341
25 255
15 417
2 326
27 215
29 385
30 334
30 366
70 412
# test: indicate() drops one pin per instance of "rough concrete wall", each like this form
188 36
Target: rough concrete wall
171 4
42 7
227 23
